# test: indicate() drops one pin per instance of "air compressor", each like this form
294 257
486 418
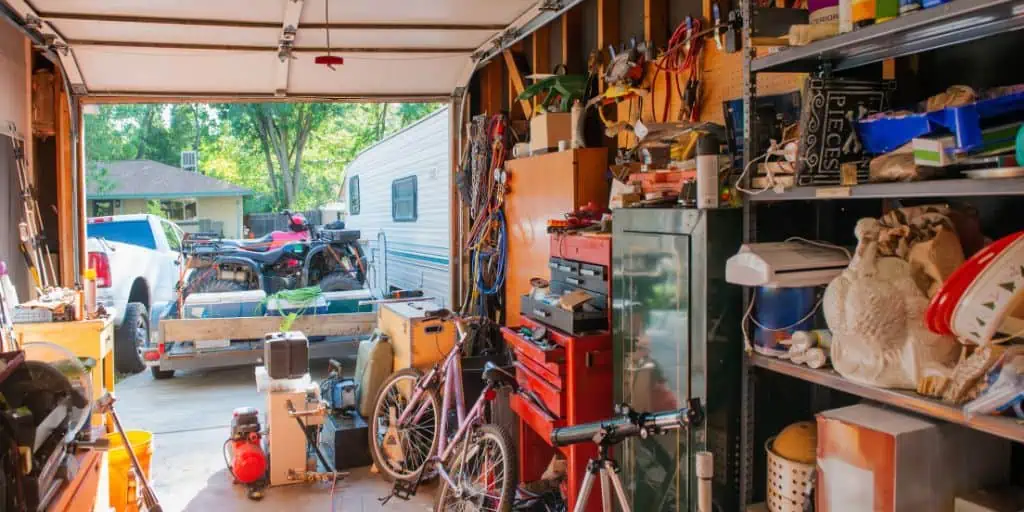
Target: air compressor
247 460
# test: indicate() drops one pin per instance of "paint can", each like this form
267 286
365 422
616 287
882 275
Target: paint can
886 10
863 13
908 6
823 11
845 16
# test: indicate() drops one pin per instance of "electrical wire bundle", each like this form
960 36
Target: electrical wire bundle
685 54
487 240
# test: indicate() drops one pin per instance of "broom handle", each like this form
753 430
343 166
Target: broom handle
148 496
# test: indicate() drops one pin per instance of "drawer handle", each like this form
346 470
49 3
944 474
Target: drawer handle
575 281
564 268
588 272
433 329
541 313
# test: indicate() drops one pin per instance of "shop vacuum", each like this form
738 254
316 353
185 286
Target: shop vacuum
246 460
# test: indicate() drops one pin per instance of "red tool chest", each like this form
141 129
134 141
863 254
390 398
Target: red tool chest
569 375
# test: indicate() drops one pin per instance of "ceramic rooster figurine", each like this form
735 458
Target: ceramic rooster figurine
876 314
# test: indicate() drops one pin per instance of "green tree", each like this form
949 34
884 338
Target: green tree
289 155
282 131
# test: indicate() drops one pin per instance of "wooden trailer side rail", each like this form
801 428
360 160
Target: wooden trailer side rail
254 328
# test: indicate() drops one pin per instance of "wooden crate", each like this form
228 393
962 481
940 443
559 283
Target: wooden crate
418 342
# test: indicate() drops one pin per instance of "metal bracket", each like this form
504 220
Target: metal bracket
286 44
33 22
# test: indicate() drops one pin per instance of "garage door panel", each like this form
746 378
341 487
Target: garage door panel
224 10
163 33
386 74
172 71
498 12
353 38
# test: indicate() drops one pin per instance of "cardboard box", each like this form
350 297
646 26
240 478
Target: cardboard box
547 128
872 459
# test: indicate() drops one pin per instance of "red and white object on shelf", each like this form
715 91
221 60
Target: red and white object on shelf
982 295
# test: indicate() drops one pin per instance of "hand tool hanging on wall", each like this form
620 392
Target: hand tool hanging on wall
33 239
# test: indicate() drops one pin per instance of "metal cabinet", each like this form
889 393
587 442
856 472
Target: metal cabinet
675 337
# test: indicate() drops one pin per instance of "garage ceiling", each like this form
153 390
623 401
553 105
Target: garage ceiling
393 49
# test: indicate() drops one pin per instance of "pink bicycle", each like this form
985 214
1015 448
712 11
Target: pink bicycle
410 434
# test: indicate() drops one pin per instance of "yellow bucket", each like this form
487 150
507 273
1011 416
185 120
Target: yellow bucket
123 486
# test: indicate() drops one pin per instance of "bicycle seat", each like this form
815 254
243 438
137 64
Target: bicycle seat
496 375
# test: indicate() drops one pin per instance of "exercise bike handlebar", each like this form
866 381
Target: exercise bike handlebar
628 424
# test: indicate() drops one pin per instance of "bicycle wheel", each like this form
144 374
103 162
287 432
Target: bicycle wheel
485 474
401 451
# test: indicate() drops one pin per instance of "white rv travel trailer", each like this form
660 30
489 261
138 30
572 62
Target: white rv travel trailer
397 196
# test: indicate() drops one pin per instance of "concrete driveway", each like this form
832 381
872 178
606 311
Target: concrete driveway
190 417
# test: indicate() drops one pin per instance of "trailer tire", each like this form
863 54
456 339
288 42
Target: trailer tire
130 338
159 374
338 282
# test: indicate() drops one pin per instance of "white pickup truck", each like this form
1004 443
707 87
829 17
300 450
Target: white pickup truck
137 261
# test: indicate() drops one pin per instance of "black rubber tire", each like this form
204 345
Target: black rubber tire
127 342
339 282
378 404
218 286
508 486
159 374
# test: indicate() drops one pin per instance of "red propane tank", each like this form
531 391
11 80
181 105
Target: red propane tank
249 464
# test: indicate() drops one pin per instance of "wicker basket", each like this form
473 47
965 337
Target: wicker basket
790 483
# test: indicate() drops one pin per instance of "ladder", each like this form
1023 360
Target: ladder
30 229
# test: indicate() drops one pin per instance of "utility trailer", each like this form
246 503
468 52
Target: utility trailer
189 344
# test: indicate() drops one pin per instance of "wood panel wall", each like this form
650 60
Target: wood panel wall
618 21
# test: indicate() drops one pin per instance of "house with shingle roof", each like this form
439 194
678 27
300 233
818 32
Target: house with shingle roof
194 201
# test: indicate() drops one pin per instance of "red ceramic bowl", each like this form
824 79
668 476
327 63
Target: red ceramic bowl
940 310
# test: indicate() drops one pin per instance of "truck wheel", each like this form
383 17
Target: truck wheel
339 282
159 374
130 338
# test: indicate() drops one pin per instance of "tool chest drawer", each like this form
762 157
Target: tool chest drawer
563 265
541 422
548 394
599 298
574 322
591 283
551 356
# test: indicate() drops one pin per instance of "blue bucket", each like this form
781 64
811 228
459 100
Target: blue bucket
777 308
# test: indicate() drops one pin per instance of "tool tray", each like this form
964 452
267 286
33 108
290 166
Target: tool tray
575 322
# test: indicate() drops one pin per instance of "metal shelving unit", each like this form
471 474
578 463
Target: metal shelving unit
954 23
957 22
934 188
1007 428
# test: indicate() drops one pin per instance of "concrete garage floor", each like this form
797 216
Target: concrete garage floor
190 417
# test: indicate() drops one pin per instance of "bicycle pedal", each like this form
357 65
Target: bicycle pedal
404 489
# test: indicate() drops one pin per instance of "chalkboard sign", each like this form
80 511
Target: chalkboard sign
831 108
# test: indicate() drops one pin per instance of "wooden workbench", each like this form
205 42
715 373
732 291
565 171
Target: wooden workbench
87 338
89 491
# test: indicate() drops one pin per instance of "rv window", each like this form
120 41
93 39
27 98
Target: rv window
403 199
353 195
